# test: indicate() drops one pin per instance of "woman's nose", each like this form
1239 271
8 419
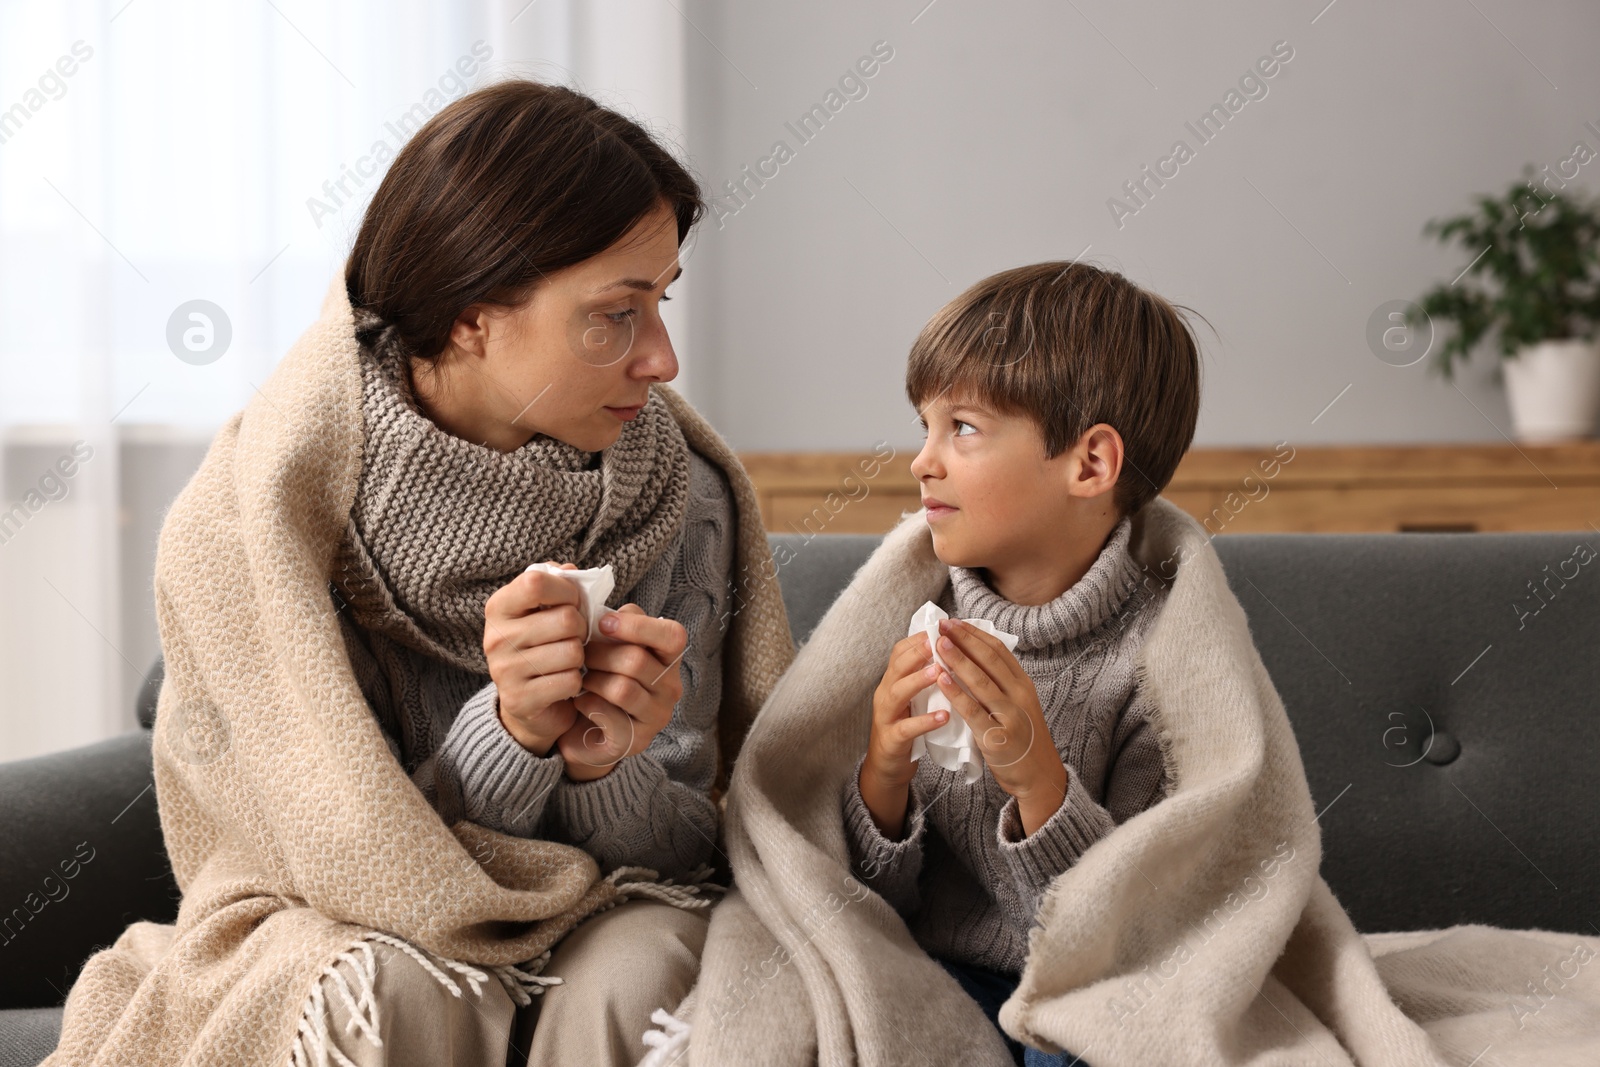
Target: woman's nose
655 358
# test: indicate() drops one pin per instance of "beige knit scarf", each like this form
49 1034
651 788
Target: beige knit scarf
440 523
293 833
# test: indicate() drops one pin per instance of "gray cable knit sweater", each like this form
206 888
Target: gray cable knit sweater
970 889
654 808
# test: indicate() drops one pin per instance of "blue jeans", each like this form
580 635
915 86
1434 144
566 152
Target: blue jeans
992 989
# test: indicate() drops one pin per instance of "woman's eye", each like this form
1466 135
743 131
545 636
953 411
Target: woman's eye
665 298
619 317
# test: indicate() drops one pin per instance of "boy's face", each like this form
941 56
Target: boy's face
1006 503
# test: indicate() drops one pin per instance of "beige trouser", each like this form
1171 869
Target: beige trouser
616 968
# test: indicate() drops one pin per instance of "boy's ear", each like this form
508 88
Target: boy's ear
1096 461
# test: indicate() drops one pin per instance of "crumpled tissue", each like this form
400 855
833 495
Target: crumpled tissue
594 585
952 745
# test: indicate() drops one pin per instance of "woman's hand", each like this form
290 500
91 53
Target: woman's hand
533 638
633 684
1006 720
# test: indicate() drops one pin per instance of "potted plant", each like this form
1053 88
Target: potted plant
1532 282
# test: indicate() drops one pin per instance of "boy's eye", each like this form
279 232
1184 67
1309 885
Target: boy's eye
968 425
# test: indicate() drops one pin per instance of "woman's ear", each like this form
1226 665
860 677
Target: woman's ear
470 332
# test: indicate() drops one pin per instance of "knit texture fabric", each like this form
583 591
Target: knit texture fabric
962 873
440 523
294 834
653 809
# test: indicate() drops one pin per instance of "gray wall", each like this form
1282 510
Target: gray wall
58 692
997 133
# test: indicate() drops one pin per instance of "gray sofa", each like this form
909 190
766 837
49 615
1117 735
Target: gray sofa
1448 729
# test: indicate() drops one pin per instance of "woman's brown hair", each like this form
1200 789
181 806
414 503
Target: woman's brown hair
501 187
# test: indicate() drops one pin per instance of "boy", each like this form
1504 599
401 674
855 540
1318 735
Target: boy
1058 399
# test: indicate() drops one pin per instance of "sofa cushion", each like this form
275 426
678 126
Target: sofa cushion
28 1035
1448 731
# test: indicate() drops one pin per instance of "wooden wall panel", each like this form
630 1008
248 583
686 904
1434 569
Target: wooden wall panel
1282 488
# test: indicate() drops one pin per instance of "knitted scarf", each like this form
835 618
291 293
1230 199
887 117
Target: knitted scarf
294 834
440 523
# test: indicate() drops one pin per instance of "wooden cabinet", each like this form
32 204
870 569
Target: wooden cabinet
1273 488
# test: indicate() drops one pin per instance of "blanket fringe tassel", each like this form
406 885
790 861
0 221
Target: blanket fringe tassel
644 882
668 1044
314 1045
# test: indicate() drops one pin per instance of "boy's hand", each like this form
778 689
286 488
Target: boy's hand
1005 718
887 771
630 686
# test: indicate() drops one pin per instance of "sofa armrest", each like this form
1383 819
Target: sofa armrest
84 859
144 705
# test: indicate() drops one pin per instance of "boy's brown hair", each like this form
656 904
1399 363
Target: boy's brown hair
1070 345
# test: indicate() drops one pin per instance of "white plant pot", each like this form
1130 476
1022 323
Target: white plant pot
1554 391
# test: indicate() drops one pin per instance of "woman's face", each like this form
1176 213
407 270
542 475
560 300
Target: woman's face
574 362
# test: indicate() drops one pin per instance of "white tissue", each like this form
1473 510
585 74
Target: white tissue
951 745
594 585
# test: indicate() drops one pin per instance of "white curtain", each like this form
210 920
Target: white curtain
179 180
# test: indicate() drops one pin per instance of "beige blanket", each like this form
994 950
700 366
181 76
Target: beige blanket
293 832
1199 932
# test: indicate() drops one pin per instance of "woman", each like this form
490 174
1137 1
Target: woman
496 363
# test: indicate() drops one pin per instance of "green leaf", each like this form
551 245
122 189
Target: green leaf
1532 273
